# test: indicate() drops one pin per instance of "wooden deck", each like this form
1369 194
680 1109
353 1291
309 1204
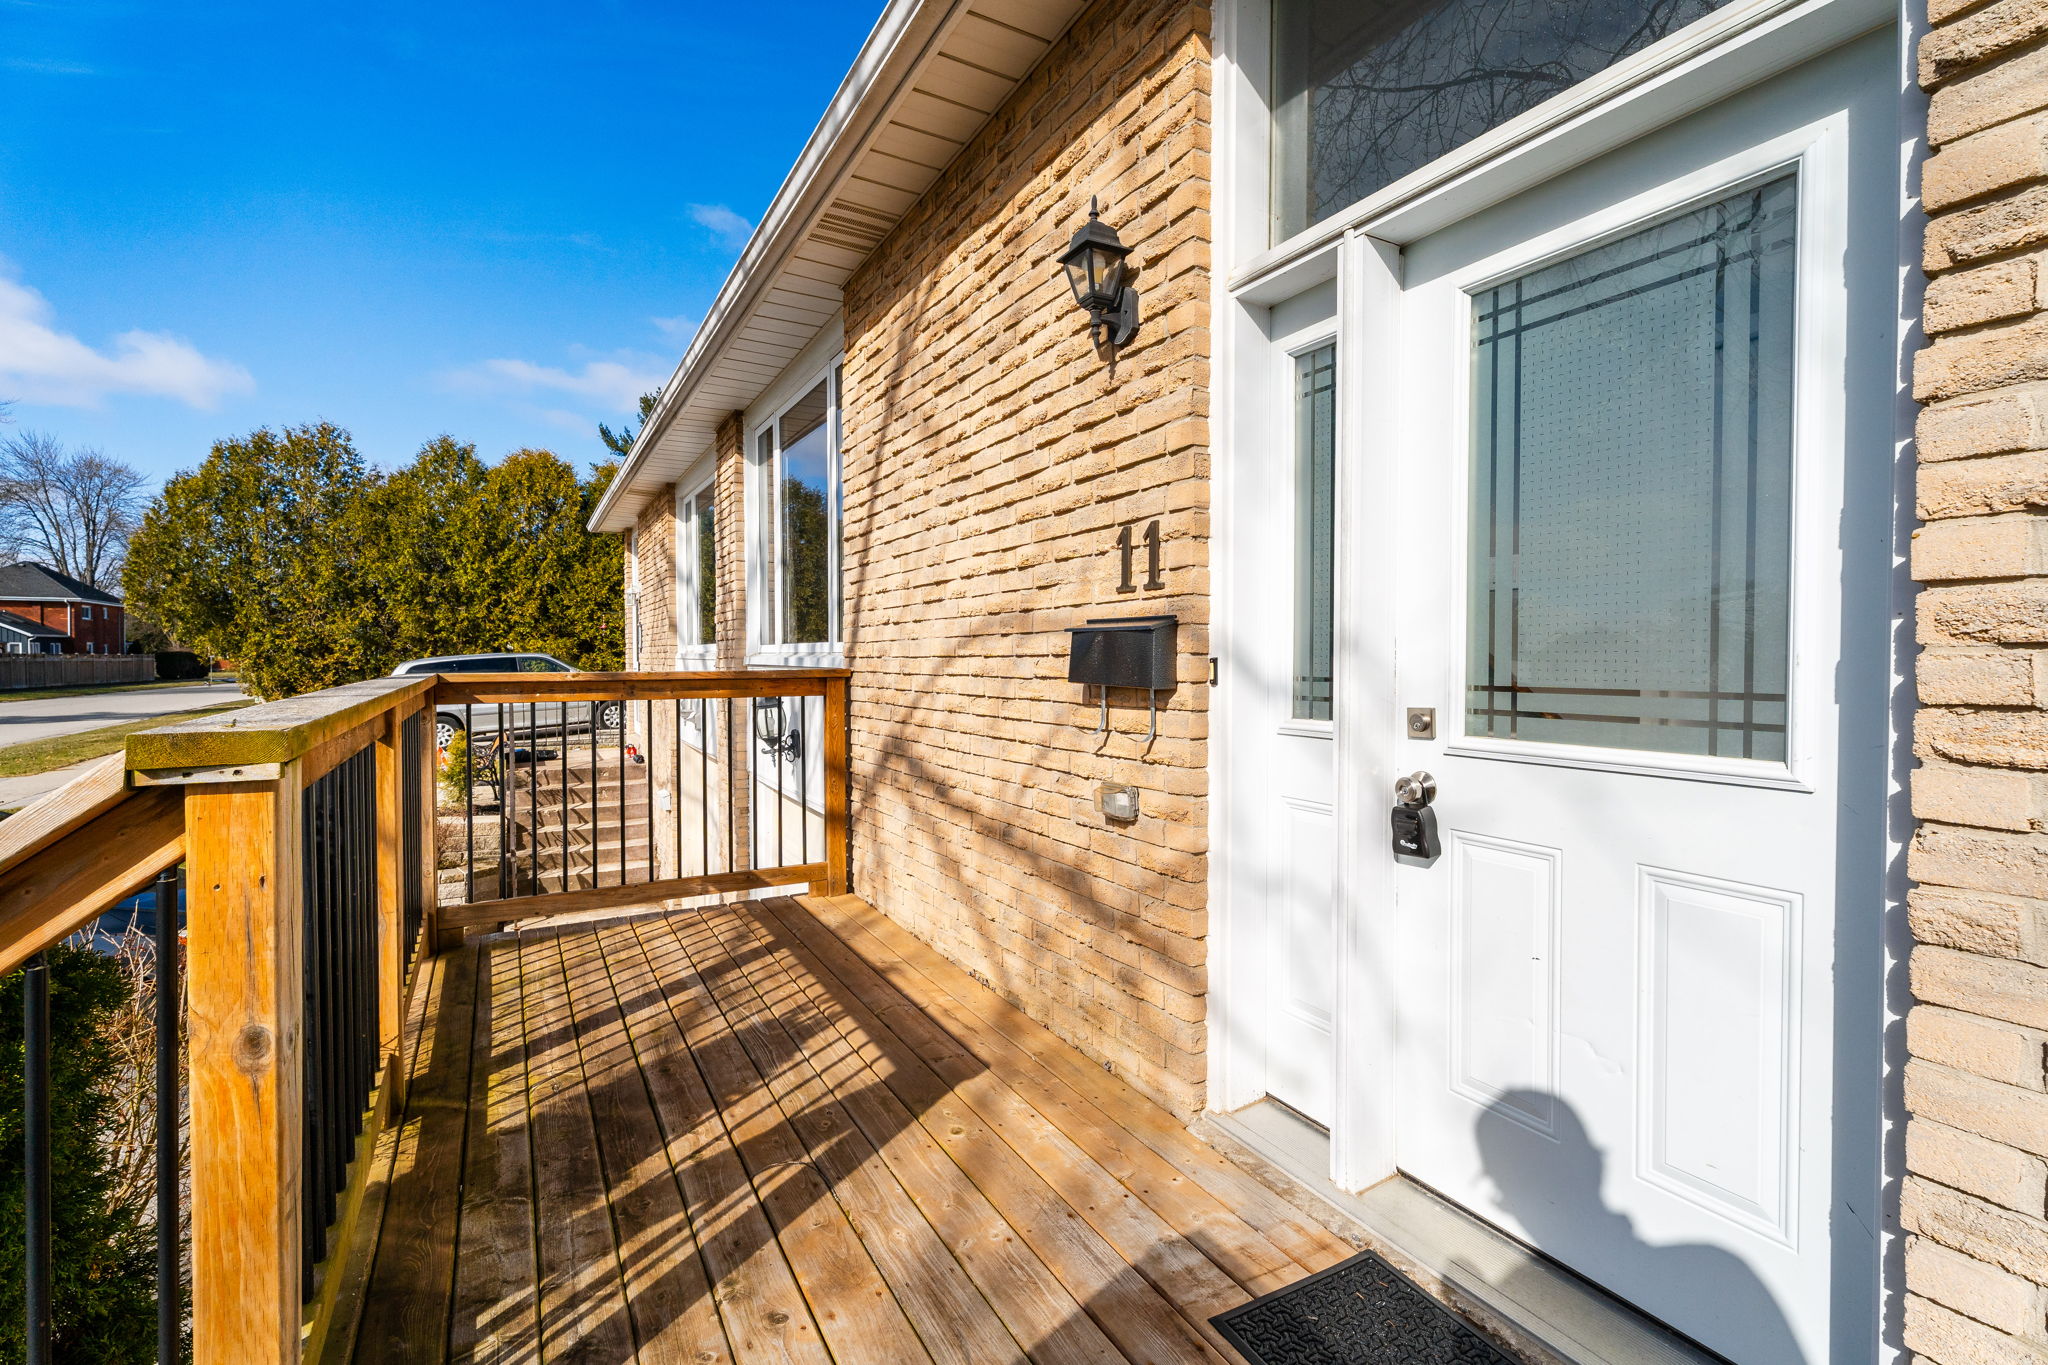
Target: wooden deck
784 1131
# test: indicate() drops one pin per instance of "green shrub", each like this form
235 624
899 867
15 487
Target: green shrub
102 1246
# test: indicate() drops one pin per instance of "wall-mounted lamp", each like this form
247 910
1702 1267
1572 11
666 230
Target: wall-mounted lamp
771 726
1094 262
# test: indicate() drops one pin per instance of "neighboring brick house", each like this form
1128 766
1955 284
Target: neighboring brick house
88 621
1517 398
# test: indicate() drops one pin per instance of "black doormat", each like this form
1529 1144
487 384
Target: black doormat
1358 1312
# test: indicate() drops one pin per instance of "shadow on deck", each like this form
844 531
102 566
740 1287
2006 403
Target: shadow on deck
784 1131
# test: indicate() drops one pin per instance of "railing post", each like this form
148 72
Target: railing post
838 790
390 815
244 1000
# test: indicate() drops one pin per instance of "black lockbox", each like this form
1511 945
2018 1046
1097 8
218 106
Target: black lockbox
1125 651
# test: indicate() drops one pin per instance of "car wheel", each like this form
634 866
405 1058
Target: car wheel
446 731
611 715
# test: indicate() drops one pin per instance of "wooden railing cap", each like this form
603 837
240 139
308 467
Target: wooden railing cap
272 732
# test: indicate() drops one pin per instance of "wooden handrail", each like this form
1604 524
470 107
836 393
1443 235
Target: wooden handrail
77 852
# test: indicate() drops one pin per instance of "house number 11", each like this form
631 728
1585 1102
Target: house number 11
1126 545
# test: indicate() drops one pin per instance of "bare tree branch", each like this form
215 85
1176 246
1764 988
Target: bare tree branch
72 510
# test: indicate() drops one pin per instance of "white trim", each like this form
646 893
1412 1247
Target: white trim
1369 729
1706 61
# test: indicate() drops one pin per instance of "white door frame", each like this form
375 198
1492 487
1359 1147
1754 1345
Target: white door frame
1744 43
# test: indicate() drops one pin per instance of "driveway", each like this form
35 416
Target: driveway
22 721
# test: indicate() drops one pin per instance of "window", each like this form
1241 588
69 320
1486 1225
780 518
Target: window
1365 91
697 568
1315 528
796 461
1631 495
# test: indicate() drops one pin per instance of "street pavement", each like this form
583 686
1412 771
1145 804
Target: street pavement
16 792
22 721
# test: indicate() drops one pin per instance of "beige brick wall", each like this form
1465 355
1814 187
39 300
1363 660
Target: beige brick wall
1975 1203
729 492
991 456
654 567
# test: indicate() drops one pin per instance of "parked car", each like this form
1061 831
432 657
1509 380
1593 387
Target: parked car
546 717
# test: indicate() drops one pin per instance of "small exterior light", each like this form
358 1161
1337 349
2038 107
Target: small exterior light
1094 262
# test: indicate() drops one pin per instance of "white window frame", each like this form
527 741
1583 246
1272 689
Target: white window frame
764 531
690 653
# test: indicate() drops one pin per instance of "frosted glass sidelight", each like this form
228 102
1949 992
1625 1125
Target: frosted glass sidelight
1315 524
1630 559
1365 91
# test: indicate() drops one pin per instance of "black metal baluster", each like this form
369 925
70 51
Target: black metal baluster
704 781
533 799
803 795
775 761
35 1137
169 1293
596 798
732 830
623 879
675 785
469 803
505 804
562 882
647 785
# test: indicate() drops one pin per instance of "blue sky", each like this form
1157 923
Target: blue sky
500 221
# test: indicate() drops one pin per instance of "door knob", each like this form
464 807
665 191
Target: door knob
1416 790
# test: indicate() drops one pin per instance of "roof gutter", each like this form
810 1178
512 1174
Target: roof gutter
894 51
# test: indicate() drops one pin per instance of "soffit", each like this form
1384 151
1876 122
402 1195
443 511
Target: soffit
925 83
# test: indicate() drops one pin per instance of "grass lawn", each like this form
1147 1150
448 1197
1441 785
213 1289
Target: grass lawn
41 755
93 690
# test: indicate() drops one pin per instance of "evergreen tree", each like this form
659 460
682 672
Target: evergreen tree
103 1252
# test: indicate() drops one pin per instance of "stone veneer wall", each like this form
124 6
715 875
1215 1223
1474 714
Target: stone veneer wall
992 454
1975 1200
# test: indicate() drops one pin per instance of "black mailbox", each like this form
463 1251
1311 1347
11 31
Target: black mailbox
1125 651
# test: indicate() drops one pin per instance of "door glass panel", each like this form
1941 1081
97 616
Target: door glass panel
1315 522
1630 557
1366 91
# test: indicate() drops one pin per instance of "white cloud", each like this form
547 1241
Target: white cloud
39 364
677 329
721 222
611 384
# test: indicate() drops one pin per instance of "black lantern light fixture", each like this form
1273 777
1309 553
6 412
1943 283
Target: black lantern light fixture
779 739
1094 261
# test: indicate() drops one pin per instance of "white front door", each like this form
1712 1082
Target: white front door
1645 440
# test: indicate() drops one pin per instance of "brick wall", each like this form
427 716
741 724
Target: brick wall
654 553
992 453
1975 1201
106 629
729 494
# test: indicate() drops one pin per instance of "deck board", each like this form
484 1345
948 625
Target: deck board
787 1133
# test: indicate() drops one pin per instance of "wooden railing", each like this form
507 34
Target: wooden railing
315 833
606 790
